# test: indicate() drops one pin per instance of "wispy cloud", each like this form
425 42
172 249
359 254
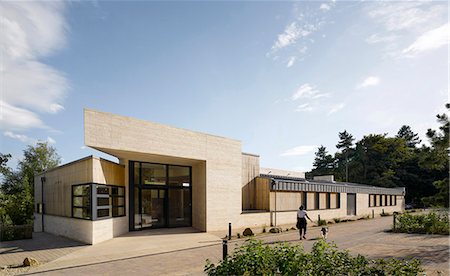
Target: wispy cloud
369 81
396 16
290 62
25 139
300 150
430 40
306 107
304 91
297 34
291 34
377 38
30 31
325 7
405 19
336 108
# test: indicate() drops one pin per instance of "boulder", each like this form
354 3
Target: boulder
247 232
275 230
29 261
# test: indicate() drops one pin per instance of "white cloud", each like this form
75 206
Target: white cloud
304 108
325 7
83 147
430 40
291 34
377 38
336 108
20 137
15 118
30 31
305 91
290 62
50 140
369 81
300 150
397 16
25 139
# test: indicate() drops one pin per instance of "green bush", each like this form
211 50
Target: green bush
337 220
322 222
255 258
385 214
431 223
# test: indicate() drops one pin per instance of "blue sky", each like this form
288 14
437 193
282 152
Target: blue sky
282 77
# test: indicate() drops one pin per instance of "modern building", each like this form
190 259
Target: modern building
171 177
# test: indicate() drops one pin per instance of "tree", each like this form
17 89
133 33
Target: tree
412 139
345 144
435 159
323 162
17 186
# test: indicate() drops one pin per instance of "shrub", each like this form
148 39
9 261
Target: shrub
431 223
322 222
337 220
385 214
255 258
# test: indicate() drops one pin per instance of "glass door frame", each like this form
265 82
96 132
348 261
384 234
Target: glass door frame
166 188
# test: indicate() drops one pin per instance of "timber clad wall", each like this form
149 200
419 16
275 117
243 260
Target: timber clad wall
59 181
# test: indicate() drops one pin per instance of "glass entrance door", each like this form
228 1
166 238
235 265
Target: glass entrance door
152 208
162 195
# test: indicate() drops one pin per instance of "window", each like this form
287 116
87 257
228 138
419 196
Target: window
334 200
93 201
323 201
81 201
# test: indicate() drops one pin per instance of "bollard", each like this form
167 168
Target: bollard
373 214
318 220
229 230
224 249
395 219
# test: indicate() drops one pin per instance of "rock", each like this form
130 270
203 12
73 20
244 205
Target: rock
275 230
247 232
29 261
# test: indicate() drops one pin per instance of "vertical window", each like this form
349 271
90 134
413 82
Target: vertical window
81 201
118 201
310 201
316 201
322 200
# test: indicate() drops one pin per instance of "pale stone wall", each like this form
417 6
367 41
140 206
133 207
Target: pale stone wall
219 200
363 209
106 229
76 229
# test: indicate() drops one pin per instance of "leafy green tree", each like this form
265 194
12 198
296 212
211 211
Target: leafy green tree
345 144
412 139
435 159
17 189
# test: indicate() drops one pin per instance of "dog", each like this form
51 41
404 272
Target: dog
324 232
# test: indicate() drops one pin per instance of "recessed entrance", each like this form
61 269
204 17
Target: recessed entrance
162 195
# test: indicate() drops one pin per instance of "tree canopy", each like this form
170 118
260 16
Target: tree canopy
17 186
398 161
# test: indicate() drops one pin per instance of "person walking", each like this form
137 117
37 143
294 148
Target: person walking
301 221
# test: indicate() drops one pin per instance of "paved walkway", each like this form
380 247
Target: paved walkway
43 247
172 253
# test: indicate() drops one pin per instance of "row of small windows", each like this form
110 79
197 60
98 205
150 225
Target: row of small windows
321 201
382 200
94 201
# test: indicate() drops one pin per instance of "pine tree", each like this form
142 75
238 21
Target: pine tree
412 139
345 144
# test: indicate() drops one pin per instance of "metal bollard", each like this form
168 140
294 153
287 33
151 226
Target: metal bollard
373 214
224 249
229 230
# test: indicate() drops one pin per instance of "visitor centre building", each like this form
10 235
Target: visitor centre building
171 177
